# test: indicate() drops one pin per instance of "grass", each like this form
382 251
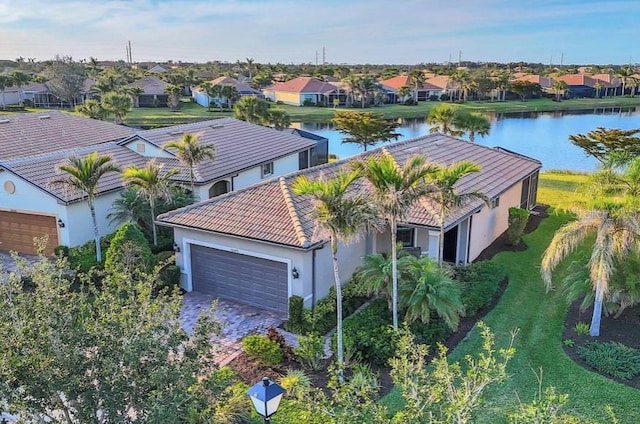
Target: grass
540 317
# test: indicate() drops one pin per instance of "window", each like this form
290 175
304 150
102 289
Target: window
221 187
267 169
140 147
303 159
495 203
405 236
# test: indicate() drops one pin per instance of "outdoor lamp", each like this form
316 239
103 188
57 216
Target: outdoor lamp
176 248
60 223
294 273
266 396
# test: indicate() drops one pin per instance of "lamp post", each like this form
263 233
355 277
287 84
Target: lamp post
266 396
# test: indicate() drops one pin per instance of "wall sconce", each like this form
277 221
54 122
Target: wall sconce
60 223
176 248
294 273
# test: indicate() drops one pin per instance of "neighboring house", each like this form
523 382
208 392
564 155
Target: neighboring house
33 145
10 96
153 94
611 85
304 91
579 85
446 85
157 69
261 245
545 82
424 91
243 88
41 96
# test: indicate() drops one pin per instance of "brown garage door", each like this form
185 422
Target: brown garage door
17 231
241 278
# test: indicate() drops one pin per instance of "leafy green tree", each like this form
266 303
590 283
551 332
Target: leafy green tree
395 191
278 119
472 123
364 128
191 153
92 109
174 93
345 217
128 252
251 109
20 79
525 89
442 118
430 288
119 105
65 79
5 82
153 185
609 145
617 232
447 197
83 175
416 79
230 93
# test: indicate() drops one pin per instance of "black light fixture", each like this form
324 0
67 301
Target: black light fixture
294 273
176 248
60 223
266 396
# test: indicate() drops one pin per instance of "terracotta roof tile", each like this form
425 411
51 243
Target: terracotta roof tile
303 85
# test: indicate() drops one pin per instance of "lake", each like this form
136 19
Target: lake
540 135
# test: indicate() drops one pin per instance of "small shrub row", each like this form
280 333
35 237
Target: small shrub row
613 359
479 282
264 350
518 219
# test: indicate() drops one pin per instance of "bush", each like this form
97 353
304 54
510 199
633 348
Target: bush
410 102
436 330
275 336
581 328
296 314
61 250
128 252
370 334
518 219
434 98
479 282
169 277
262 349
445 97
613 359
310 351
308 102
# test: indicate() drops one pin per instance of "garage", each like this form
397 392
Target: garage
254 281
17 231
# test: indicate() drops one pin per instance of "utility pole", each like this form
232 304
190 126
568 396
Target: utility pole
562 59
324 56
316 57
459 58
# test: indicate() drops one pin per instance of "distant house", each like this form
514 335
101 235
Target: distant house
41 96
579 85
261 245
304 91
545 83
153 92
243 88
610 85
33 145
424 91
446 85
157 69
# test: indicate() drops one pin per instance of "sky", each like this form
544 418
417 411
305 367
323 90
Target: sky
350 31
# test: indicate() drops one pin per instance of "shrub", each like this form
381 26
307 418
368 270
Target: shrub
370 334
262 349
310 351
308 102
275 336
581 328
518 219
613 359
169 277
296 314
479 282
434 98
296 383
436 330
61 251
128 251
323 317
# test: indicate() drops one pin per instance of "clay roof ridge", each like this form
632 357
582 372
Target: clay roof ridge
293 213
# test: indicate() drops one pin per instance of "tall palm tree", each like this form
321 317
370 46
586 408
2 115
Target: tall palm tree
395 191
598 87
153 184
84 174
19 79
119 105
416 79
473 123
624 74
443 118
251 109
277 118
345 216
632 83
191 153
230 93
404 92
5 81
445 194
559 87
617 235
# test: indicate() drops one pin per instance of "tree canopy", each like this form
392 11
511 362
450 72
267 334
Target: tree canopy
365 129
606 144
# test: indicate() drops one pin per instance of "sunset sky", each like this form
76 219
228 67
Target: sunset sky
352 31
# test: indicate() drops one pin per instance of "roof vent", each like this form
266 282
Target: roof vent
177 132
44 116
215 126
5 121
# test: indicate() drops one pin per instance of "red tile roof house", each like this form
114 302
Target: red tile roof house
545 82
304 90
33 145
261 245
424 91
579 85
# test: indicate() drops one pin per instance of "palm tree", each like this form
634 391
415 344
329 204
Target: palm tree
5 81
445 194
624 73
119 105
616 230
598 87
376 274
345 217
395 191
558 88
416 78
473 123
174 92
92 109
230 93
443 118
152 184
251 109
404 92
84 174
632 83
366 87
191 153
431 288
278 119
19 79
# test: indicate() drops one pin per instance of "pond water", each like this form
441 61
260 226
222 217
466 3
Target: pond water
540 135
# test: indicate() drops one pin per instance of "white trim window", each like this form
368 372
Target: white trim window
267 169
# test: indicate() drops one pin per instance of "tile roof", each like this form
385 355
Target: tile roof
150 85
268 212
544 82
27 134
303 85
401 80
238 145
443 82
577 79
607 80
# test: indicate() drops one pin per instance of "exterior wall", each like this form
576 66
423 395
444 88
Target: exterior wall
281 166
201 98
10 98
78 224
294 99
349 258
489 224
150 150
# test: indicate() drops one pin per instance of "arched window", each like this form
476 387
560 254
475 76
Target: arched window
221 187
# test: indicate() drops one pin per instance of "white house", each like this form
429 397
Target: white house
32 146
261 245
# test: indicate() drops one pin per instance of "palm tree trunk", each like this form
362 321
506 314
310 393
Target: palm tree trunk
338 284
594 330
153 222
472 136
441 239
394 272
96 236
193 187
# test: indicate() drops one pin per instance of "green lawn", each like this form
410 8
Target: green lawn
540 318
